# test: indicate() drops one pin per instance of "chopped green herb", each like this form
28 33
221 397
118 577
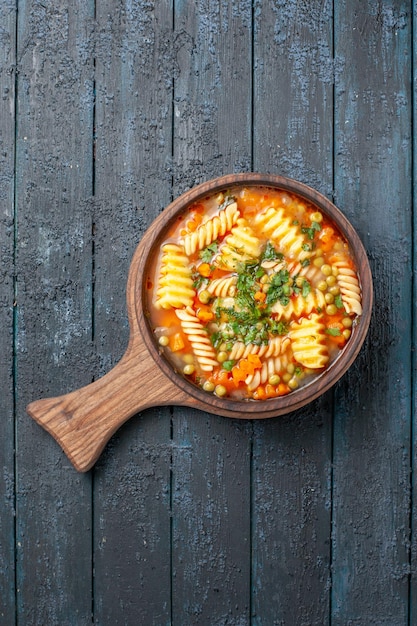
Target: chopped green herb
276 290
278 327
339 302
306 289
310 232
271 254
305 262
207 253
334 332
227 365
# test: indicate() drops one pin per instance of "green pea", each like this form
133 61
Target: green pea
208 386
204 296
189 369
316 217
163 341
220 390
274 380
347 322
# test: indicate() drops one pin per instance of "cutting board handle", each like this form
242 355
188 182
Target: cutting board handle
83 420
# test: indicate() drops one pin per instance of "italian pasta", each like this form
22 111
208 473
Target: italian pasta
279 228
198 337
350 291
308 342
240 246
300 305
175 284
223 287
254 295
212 229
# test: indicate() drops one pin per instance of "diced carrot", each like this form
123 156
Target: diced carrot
238 374
222 377
282 389
259 393
204 269
176 342
255 360
260 296
205 314
246 367
270 391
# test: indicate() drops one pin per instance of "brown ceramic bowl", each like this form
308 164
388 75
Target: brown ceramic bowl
83 420
298 398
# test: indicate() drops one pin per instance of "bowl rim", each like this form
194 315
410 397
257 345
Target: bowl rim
155 235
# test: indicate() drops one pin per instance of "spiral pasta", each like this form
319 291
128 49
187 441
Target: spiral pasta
210 230
280 229
308 342
311 272
274 347
198 337
275 365
300 305
222 287
350 290
240 246
175 284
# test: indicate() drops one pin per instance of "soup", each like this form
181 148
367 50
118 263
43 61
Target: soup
253 293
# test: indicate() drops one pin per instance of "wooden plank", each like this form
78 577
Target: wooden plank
54 177
7 481
371 497
293 109
211 464
134 59
413 520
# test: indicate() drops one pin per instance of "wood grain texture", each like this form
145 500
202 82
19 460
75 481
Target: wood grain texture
211 470
134 58
53 293
7 188
190 518
293 109
371 495
413 534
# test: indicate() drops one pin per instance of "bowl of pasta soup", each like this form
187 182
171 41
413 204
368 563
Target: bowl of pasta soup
255 294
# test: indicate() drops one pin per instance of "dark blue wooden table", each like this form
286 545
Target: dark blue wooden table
108 110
